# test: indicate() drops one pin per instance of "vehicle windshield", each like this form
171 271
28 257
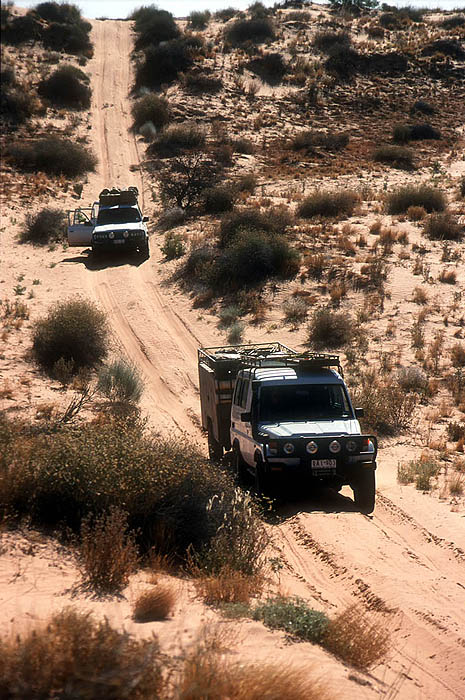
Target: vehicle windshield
118 215
303 402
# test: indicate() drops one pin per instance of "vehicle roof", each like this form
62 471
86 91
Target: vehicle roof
119 206
289 374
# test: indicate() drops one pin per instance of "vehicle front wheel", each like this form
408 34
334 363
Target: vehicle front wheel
144 251
364 489
262 479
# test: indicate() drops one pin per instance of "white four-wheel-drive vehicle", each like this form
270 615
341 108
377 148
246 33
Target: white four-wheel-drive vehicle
286 416
113 223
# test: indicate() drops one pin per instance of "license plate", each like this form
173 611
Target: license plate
119 241
323 464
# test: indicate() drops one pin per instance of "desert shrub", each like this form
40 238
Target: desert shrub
242 145
328 204
246 183
462 186
201 82
456 431
228 315
163 63
453 22
294 616
235 334
226 14
58 12
251 258
219 199
295 310
316 264
447 47
343 61
274 220
425 469
397 156
71 38
374 31
325 40
415 132
176 138
200 263
88 658
75 330
17 104
256 31
416 213
120 382
356 638
388 408
329 141
54 156
45 226
199 20
150 108
330 329
108 553
423 107
173 246
442 226
430 198
153 26
412 379
227 587
67 86
155 604
271 67
185 180
170 218
447 276
21 29
390 20
457 355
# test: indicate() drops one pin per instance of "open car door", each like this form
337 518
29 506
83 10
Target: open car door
81 223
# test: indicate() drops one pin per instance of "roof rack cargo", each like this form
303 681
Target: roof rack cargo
115 196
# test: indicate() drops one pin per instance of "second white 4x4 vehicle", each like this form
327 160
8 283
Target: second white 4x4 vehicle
113 223
286 416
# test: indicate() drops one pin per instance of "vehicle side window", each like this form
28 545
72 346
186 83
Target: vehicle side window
244 394
237 392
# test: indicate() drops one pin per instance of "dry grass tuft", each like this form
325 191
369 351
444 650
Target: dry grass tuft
156 603
228 586
356 638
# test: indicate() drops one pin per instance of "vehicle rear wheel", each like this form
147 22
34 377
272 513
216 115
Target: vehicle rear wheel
239 465
364 489
215 450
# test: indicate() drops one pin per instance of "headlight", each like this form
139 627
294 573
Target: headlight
272 448
288 448
312 447
111 234
351 445
125 234
334 447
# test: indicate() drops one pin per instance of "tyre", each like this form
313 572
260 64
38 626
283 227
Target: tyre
364 489
262 479
239 466
215 450
144 251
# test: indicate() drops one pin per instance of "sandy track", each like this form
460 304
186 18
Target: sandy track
391 564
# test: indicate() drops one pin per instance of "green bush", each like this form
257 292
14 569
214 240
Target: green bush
443 226
150 108
329 141
75 330
256 31
120 382
328 204
199 20
163 63
53 156
177 138
397 156
294 616
86 657
430 198
219 199
72 38
45 226
184 181
153 26
274 220
330 329
67 86
174 246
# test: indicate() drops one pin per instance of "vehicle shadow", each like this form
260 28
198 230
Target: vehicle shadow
103 262
323 500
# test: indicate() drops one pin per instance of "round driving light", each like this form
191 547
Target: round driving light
351 445
125 234
288 448
111 234
334 447
312 447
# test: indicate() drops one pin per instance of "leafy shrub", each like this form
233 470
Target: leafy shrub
155 604
256 31
330 329
390 20
246 183
88 658
388 408
120 382
186 179
67 86
228 315
150 108
22 29
163 63
416 132
294 616
176 138
456 431
58 12
153 26
200 263
356 639
329 141
429 198
200 82
45 226
397 156
342 60
17 103
325 40
271 67
75 330
199 20
443 226
108 554
54 156
174 246
71 38
274 220
226 14
219 199
328 204
462 186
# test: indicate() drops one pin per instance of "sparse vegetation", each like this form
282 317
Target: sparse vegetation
120 382
328 141
173 246
45 226
157 603
176 139
357 638
53 155
416 132
294 616
397 156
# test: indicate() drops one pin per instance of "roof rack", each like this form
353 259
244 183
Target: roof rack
268 355
116 196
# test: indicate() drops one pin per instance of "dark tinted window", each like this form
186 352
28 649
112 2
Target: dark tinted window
119 215
297 402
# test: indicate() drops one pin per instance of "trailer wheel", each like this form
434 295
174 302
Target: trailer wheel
215 450
239 466
364 489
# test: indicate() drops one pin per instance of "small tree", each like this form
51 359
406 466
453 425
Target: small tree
354 5
183 182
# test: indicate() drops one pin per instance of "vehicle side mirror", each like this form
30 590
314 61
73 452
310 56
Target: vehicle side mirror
145 218
359 412
246 417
